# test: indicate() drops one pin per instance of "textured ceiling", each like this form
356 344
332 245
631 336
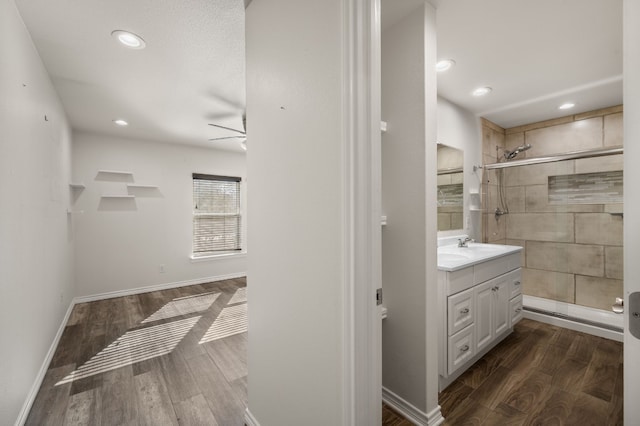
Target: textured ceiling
535 55
191 73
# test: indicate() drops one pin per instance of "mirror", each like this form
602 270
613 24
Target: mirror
450 188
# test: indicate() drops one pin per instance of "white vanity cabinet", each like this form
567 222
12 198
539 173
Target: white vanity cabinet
479 305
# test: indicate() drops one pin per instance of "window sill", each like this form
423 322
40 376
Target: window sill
221 256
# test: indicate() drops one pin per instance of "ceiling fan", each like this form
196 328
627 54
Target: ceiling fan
242 134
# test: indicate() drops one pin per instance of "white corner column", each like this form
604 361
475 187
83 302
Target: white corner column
631 38
313 212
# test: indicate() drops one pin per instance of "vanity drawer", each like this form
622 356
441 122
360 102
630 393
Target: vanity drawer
515 310
460 311
495 267
515 283
460 348
458 281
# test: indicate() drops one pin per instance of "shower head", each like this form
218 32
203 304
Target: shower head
510 155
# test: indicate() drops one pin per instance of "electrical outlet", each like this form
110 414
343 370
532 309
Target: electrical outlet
162 269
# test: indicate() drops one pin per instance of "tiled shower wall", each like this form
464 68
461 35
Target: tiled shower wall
572 252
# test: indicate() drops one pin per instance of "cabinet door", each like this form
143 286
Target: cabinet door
483 323
460 311
501 290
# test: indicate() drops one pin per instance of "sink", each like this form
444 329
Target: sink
452 257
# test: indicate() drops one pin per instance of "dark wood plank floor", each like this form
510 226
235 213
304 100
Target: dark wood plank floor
172 357
178 357
540 375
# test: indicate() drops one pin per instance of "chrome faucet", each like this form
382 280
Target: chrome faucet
463 243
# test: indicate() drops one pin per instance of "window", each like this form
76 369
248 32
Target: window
216 214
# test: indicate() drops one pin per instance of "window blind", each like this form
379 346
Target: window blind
216 214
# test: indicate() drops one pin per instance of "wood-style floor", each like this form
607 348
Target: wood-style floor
172 357
178 357
539 375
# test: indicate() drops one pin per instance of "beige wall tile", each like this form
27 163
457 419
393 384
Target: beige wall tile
598 228
523 253
456 221
600 164
492 198
598 293
444 221
490 140
489 158
614 208
562 257
513 141
550 285
537 200
556 227
496 229
537 174
457 178
598 112
574 136
614 262
490 124
515 199
444 179
540 124
613 131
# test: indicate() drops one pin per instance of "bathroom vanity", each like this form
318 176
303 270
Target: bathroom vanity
480 299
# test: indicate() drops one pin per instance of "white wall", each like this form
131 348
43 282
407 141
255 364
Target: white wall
403 202
631 201
296 223
121 243
461 129
409 201
36 282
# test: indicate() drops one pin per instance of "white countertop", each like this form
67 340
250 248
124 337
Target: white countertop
452 258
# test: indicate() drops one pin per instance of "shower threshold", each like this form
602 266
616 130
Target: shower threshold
588 320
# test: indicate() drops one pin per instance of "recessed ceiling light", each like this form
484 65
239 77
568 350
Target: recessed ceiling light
120 122
131 40
445 64
481 91
568 105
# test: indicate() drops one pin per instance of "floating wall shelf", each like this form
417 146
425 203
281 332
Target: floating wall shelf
118 196
115 172
76 186
135 185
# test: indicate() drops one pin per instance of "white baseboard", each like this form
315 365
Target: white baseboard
156 287
33 392
408 410
249 420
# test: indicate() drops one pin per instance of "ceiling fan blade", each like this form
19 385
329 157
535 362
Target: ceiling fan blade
228 128
228 137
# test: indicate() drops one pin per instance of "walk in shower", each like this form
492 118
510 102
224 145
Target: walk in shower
556 190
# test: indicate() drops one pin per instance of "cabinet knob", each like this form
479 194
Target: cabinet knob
464 311
516 283
496 288
518 309
465 348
